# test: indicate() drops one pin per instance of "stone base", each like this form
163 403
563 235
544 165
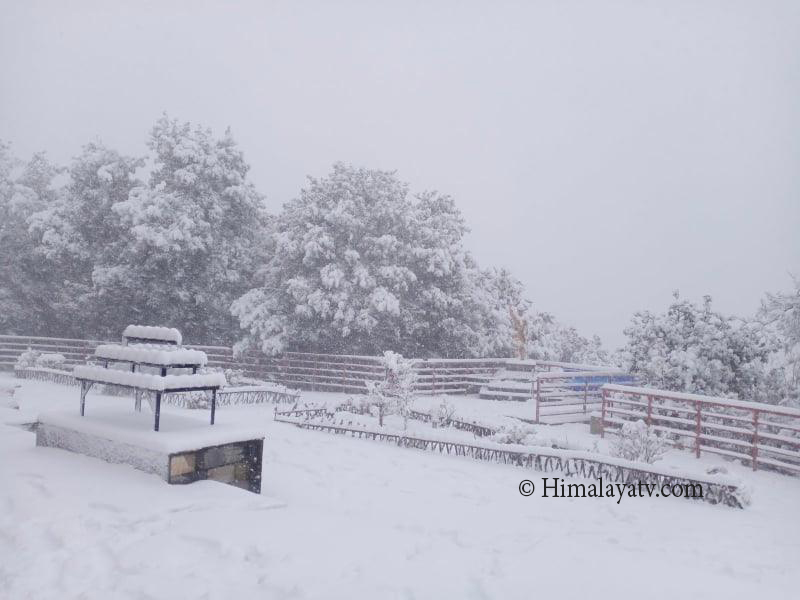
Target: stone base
213 453
237 463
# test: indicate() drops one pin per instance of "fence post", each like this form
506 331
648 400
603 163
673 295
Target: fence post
585 392
603 414
755 439
314 375
538 397
649 410
697 429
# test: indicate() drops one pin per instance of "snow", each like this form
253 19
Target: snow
167 334
265 387
149 382
112 421
348 518
160 355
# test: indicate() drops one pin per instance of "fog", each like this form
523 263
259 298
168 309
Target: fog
608 153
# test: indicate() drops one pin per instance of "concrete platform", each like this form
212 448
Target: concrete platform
185 450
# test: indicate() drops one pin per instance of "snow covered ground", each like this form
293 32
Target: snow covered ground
348 518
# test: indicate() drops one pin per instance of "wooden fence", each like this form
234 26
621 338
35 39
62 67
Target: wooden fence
563 396
323 372
763 435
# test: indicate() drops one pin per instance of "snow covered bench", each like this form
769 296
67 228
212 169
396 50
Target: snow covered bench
87 376
152 335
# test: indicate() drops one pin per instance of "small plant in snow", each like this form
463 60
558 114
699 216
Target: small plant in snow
395 393
638 442
27 360
442 415
514 434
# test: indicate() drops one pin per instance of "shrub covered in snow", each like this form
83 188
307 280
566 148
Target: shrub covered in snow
33 359
28 359
638 442
515 434
51 361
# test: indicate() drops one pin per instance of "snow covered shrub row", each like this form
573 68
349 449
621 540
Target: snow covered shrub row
31 359
637 442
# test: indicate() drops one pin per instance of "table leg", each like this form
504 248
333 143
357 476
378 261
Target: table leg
213 404
83 396
158 409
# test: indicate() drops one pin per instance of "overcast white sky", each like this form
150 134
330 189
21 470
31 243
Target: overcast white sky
606 152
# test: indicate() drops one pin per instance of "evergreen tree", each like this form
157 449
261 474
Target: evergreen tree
691 348
360 267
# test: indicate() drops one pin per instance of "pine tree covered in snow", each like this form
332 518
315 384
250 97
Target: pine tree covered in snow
30 299
197 234
691 348
360 267
550 340
779 319
82 235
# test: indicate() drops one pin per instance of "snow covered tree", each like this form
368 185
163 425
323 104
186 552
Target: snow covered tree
779 318
81 232
498 302
550 340
358 266
195 235
395 393
691 348
29 283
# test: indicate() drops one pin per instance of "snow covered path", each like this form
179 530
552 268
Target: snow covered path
347 518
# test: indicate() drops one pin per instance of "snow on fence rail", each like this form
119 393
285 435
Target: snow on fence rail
764 435
323 372
320 372
570 462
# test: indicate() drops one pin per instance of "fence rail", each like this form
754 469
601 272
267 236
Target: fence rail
322 372
763 435
572 395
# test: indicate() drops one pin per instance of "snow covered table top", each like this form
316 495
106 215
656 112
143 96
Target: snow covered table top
146 332
152 355
149 382
180 433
